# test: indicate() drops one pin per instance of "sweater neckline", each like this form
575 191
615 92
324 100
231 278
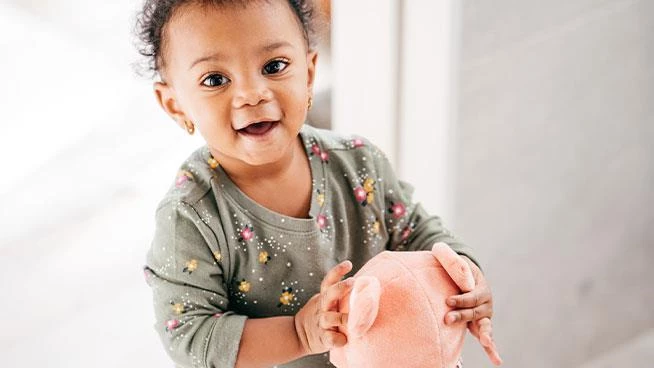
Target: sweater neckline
273 218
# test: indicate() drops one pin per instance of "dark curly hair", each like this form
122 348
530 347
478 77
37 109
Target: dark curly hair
152 19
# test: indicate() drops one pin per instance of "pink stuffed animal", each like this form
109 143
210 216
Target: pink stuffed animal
397 309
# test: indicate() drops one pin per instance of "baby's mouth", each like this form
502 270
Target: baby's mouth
259 128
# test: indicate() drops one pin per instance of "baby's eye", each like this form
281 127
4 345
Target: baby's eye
275 66
215 80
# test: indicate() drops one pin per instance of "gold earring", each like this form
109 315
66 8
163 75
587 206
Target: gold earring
310 103
190 128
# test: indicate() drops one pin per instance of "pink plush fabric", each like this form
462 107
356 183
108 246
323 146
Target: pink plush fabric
397 310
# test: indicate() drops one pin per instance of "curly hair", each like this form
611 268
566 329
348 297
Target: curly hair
155 14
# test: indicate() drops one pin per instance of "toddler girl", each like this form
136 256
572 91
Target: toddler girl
261 224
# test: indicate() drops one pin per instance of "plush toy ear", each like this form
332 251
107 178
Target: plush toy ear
364 305
455 265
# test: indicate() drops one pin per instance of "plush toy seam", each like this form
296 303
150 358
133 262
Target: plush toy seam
431 306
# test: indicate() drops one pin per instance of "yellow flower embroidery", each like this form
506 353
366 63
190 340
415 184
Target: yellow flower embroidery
375 227
191 266
264 257
365 194
321 199
212 162
369 185
178 308
244 286
287 296
218 256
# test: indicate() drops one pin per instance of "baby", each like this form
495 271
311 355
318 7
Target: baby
254 237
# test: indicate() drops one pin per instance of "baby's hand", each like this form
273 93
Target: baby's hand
316 324
476 308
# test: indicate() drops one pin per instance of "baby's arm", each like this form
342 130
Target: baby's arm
313 330
191 302
409 226
269 341
185 271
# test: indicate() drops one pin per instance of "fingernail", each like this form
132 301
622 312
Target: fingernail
451 302
451 318
346 263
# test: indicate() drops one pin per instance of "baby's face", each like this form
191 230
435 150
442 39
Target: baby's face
228 68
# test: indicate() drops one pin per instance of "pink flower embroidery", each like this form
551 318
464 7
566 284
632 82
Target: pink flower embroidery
360 194
315 150
182 178
397 209
322 221
357 142
247 233
172 324
217 315
406 232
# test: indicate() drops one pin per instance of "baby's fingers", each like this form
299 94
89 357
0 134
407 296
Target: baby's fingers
472 299
331 320
332 295
485 331
482 330
493 355
335 275
470 314
332 339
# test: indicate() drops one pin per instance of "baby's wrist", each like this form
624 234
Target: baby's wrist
300 335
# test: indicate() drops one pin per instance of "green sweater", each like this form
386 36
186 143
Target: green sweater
218 257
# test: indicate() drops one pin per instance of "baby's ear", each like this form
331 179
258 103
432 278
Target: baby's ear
364 305
457 267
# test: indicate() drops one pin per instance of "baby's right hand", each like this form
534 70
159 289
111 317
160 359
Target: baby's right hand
316 324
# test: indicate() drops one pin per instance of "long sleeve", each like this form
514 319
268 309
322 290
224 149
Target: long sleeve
409 226
186 273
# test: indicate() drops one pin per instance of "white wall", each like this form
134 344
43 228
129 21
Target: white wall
426 129
537 117
393 64
555 176
365 68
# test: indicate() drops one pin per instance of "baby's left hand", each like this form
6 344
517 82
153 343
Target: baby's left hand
476 308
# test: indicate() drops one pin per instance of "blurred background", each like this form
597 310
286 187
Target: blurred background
527 125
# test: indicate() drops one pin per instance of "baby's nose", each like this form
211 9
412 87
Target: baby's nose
251 92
